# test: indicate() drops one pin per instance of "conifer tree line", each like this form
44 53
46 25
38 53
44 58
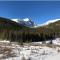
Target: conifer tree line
27 36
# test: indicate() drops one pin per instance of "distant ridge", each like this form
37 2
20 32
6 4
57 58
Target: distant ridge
47 22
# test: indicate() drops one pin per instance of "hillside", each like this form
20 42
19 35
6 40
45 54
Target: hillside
10 29
52 27
9 24
49 31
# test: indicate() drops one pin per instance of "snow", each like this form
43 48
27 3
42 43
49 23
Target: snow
33 52
47 22
56 57
26 19
50 21
1 41
56 41
16 20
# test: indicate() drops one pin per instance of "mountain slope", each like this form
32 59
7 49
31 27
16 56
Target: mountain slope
51 30
47 22
11 30
52 26
25 22
8 24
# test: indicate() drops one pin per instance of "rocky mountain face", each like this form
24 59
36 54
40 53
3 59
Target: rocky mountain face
24 22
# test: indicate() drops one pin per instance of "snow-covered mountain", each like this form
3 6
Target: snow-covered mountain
25 22
16 20
29 23
47 22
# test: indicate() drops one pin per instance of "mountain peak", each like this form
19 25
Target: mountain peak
26 19
25 22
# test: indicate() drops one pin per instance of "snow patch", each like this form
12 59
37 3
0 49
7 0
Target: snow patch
26 19
16 20
48 22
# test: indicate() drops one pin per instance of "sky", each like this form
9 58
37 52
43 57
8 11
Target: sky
37 11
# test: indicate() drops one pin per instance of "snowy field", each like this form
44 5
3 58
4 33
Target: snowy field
31 51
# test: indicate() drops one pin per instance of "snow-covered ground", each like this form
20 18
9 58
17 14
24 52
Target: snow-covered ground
13 51
56 41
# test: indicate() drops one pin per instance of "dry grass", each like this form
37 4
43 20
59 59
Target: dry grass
7 52
58 50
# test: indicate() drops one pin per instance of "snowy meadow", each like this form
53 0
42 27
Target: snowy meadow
30 51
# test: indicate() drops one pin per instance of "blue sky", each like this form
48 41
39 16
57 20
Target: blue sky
37 11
